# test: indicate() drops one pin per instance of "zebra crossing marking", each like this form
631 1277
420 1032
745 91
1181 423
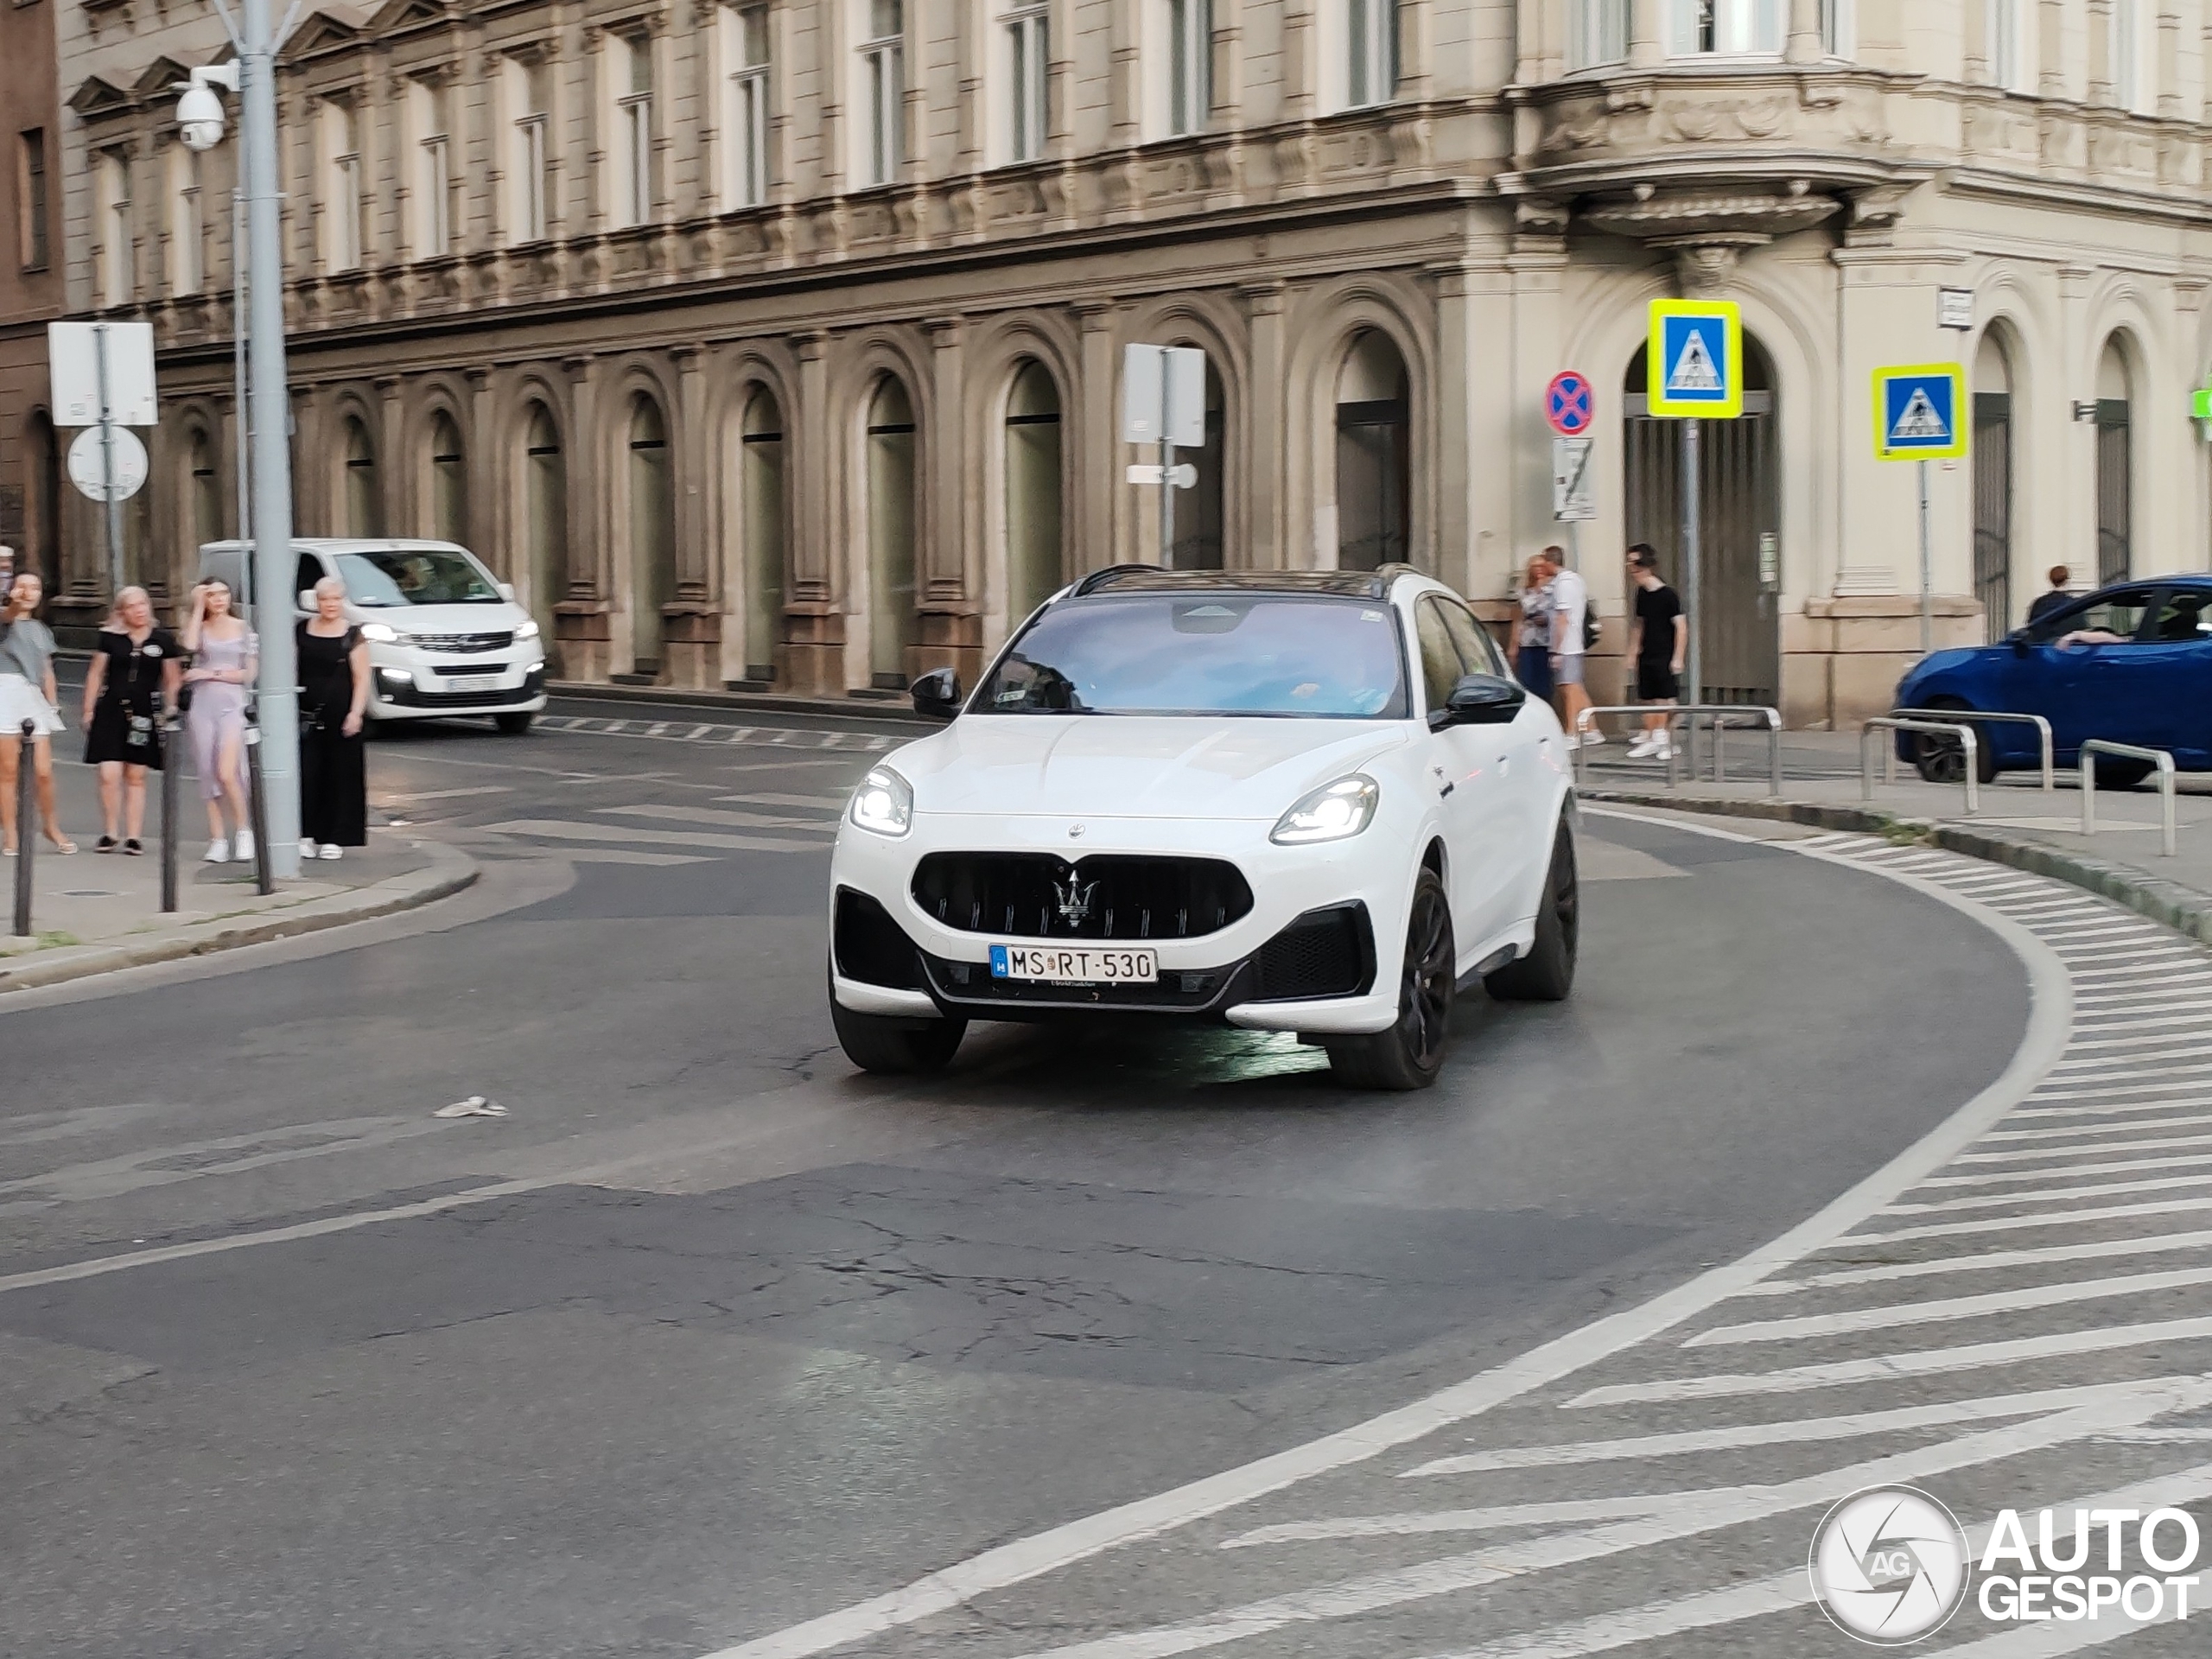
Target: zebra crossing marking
708 734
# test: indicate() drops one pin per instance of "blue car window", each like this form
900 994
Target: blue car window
2119 612
2184 617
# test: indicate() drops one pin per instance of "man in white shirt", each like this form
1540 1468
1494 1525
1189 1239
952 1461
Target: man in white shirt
1570 605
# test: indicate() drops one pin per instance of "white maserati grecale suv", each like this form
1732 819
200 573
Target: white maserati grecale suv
1306 800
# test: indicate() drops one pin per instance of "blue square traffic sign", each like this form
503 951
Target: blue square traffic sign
1919 412
1696 352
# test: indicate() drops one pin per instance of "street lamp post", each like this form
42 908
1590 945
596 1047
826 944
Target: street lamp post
199 114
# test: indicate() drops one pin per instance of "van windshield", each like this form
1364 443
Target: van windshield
414 576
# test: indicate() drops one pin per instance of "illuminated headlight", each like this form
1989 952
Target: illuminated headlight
884 803
383 633
1331 812
527 630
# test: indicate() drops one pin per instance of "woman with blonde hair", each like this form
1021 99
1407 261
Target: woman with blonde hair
334 704
26 693
223 653
137 665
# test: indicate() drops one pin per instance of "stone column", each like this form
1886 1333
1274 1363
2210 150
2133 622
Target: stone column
2051 47
580 620
1265 423
1805 45
1647 34
2169 100
1455 439
691 634
814 627
489 527
395 460
949 624
1098 477
1975 67
2100 87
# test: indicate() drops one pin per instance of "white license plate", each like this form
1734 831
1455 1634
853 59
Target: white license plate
474 683
1059 964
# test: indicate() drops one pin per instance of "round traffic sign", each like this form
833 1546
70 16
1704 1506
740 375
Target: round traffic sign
88 466
1569 404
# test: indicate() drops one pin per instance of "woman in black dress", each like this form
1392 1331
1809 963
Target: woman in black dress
134 672
333 695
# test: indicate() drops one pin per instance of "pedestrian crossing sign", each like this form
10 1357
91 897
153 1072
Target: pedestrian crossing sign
1919 412
1696 354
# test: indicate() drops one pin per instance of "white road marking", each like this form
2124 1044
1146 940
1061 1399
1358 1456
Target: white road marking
1416 1522
2049 1167
416 796
708 815
1897 1315
2083 1132
2095 1140
1994 1261
561 829
2009 1224
2049 1195
624 856
828 803
1930 1361
2050 1021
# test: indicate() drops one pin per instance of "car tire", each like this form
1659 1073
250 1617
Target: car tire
1546 973
1940 760
2122 774
1410 1054
513 725
893 1046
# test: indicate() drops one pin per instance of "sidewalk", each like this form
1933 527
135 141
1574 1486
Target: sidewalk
2017 823
93 913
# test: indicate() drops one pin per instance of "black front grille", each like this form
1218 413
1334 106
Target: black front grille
1112 896
1324 953
464 643
871 947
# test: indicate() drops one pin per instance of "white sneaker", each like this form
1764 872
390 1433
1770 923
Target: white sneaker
307 848
1593 740
1642 746
242 851
218 852
330 852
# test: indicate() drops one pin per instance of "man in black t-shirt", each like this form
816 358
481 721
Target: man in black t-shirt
2056 597
1658 639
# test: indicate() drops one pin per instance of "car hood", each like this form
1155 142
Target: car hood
1131 767
1942 662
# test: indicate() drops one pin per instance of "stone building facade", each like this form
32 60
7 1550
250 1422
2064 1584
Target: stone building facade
30 279
778 342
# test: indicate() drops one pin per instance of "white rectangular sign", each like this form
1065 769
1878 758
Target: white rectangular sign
72 353
1574 487
1164 384
1954 308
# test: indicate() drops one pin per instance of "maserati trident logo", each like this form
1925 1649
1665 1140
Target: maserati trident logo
1074 897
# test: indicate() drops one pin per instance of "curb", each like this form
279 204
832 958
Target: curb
450 871
894 710
2181 908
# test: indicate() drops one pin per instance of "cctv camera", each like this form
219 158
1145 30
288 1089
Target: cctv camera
202 135
199 117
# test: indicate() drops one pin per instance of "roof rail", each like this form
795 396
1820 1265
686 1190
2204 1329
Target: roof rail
1097 579
1152 578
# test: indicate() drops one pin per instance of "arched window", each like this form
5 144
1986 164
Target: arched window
2115 466
760 482
1374 459
1992 485
448 481
364 494
891 514
205 500
545 516
1032 489
653 532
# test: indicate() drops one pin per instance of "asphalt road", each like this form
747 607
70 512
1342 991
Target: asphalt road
710 1335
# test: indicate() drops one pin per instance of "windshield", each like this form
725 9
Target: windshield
1224 653
414 576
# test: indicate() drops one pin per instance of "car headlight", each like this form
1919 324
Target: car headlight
383 633
884 803
527 630
1332 812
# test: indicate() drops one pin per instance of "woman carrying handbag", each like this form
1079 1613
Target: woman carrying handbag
334 704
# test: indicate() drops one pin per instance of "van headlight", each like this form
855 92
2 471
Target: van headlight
527 630
1333 812
884 803
383 633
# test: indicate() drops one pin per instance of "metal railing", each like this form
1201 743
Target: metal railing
1969 745
2042 726
2096 746
1721 714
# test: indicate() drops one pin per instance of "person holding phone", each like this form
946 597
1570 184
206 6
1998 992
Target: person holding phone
26 692
223 654
137 667
334 704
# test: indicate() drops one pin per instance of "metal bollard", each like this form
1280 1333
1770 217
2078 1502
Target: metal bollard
169 759
263 882
26 828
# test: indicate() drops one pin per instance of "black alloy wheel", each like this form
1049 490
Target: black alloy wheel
1939 757
1410 1054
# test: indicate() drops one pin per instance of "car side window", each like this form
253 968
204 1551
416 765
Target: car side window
1440 658
307 574
2119 612
2184 617
1478 650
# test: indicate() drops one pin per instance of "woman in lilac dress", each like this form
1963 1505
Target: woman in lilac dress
224 652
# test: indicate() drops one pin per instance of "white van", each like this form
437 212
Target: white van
445 636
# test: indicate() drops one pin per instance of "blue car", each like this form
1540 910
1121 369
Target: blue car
2132 663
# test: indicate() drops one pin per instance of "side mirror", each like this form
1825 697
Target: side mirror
2019 640
507 592
1481 699
937 695
307 599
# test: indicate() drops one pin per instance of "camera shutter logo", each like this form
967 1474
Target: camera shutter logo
1890 1566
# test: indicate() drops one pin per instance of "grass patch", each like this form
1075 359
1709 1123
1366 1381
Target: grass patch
55 938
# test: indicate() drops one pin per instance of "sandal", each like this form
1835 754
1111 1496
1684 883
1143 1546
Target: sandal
65 847
104 844
133 846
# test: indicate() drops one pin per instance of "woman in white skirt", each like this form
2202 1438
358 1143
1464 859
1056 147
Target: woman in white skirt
26 692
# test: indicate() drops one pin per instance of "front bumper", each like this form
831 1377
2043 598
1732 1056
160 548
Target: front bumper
412 689
1303 959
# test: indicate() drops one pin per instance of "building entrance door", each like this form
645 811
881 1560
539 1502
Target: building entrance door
1740 497
1993 511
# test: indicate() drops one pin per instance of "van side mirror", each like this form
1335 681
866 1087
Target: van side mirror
307 599
2019 640
507 592
937 695
1481 699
